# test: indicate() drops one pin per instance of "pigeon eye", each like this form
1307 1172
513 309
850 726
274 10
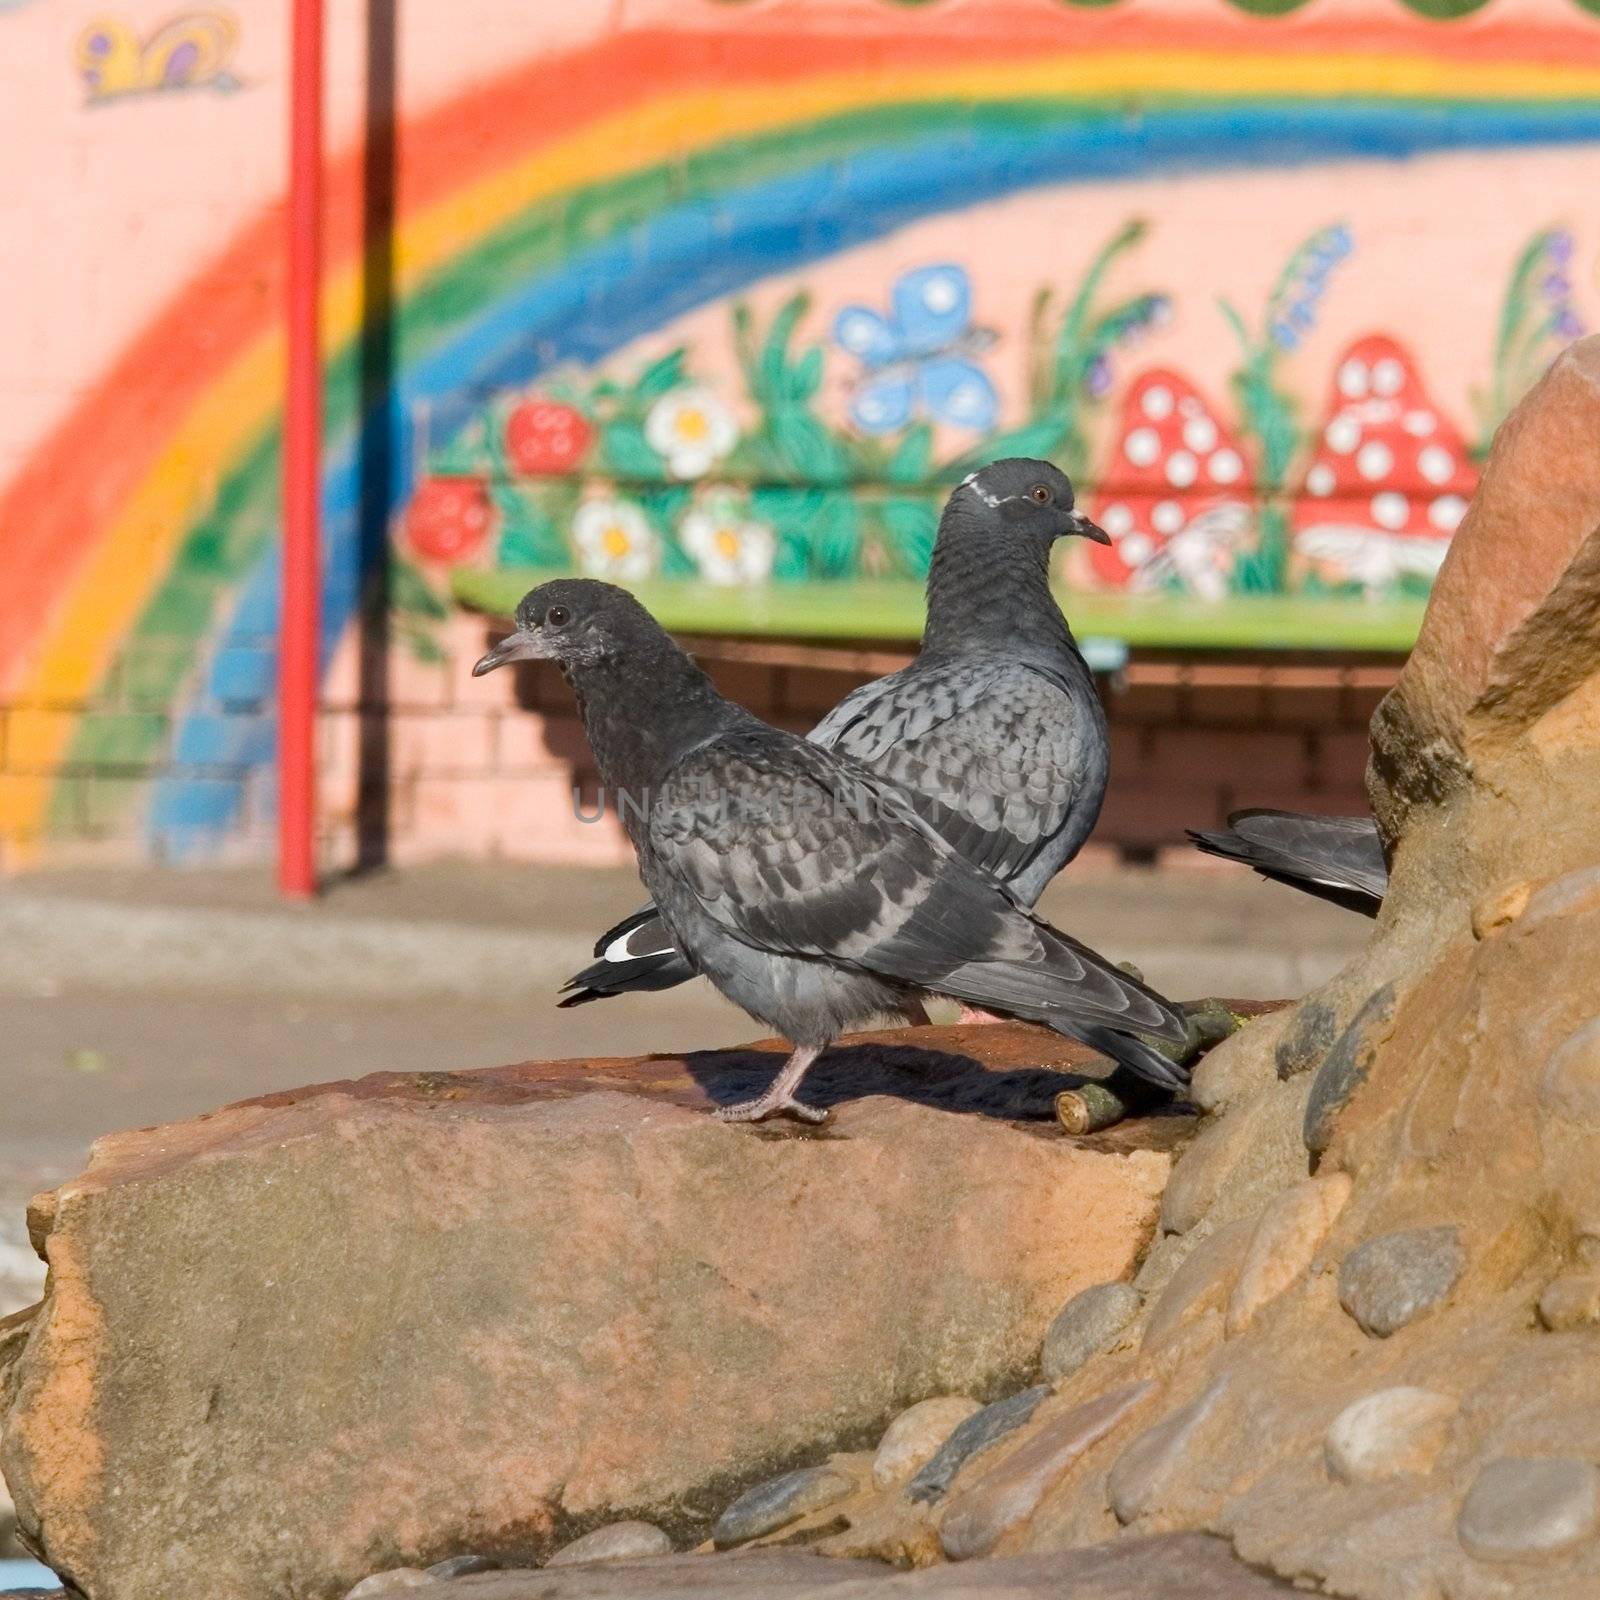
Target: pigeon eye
1040 493
557 617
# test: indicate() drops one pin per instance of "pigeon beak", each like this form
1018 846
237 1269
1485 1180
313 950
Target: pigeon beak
1079 524
518 646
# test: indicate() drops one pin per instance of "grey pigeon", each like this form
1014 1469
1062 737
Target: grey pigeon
794 879
1335 858
995 733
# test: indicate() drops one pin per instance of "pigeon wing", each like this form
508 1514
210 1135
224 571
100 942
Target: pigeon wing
997 758
793 850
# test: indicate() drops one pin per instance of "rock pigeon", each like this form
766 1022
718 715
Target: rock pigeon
995 733
1335 858
797 881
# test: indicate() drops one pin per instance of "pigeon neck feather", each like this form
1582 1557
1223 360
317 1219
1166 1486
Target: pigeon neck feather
643 708
987 591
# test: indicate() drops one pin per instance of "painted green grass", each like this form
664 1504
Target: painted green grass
894 610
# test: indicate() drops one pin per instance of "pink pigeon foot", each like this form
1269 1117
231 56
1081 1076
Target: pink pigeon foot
972 1015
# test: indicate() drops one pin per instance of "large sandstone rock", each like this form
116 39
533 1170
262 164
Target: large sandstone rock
371 1324
1510 631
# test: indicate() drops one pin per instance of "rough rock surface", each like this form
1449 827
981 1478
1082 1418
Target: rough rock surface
982 1430
369 1324
1005 1496
1464 1102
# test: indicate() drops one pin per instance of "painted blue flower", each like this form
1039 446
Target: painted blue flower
1555 287
918 359
1297 315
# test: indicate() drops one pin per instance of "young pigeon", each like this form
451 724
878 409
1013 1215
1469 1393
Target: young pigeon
796 880
1335 858
995 733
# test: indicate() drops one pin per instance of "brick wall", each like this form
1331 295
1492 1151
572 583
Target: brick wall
487 766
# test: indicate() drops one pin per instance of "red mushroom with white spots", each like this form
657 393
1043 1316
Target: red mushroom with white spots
1390 479
1175 493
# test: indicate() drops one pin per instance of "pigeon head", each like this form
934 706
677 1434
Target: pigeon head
642 700
1028 497
574 621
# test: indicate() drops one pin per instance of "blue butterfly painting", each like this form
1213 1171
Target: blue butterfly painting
918 359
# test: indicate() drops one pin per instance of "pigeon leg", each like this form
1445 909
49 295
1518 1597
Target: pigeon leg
971 1015
781 1096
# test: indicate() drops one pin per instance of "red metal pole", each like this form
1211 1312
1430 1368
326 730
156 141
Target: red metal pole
300 625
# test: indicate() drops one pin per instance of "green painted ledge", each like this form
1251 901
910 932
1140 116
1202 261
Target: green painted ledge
883 609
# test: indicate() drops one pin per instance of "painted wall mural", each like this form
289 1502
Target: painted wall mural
749 476
727 295
192 51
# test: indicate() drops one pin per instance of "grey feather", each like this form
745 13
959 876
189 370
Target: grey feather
1335 858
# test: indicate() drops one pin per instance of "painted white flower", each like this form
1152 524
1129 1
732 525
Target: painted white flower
615 540
692 428
728 546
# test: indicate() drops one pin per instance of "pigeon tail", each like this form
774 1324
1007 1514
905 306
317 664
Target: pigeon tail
635 957
1128 1051
1338 859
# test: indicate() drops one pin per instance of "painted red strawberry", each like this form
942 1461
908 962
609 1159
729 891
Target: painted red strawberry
1390 479
448 519
1175 492
545 437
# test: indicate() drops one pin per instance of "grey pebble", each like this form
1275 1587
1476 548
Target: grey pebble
779 1501
618 1541
1086 1325
980 1430
1345 1069
1307 1039
1517 1508
394 1581
464 1566
1393 1279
